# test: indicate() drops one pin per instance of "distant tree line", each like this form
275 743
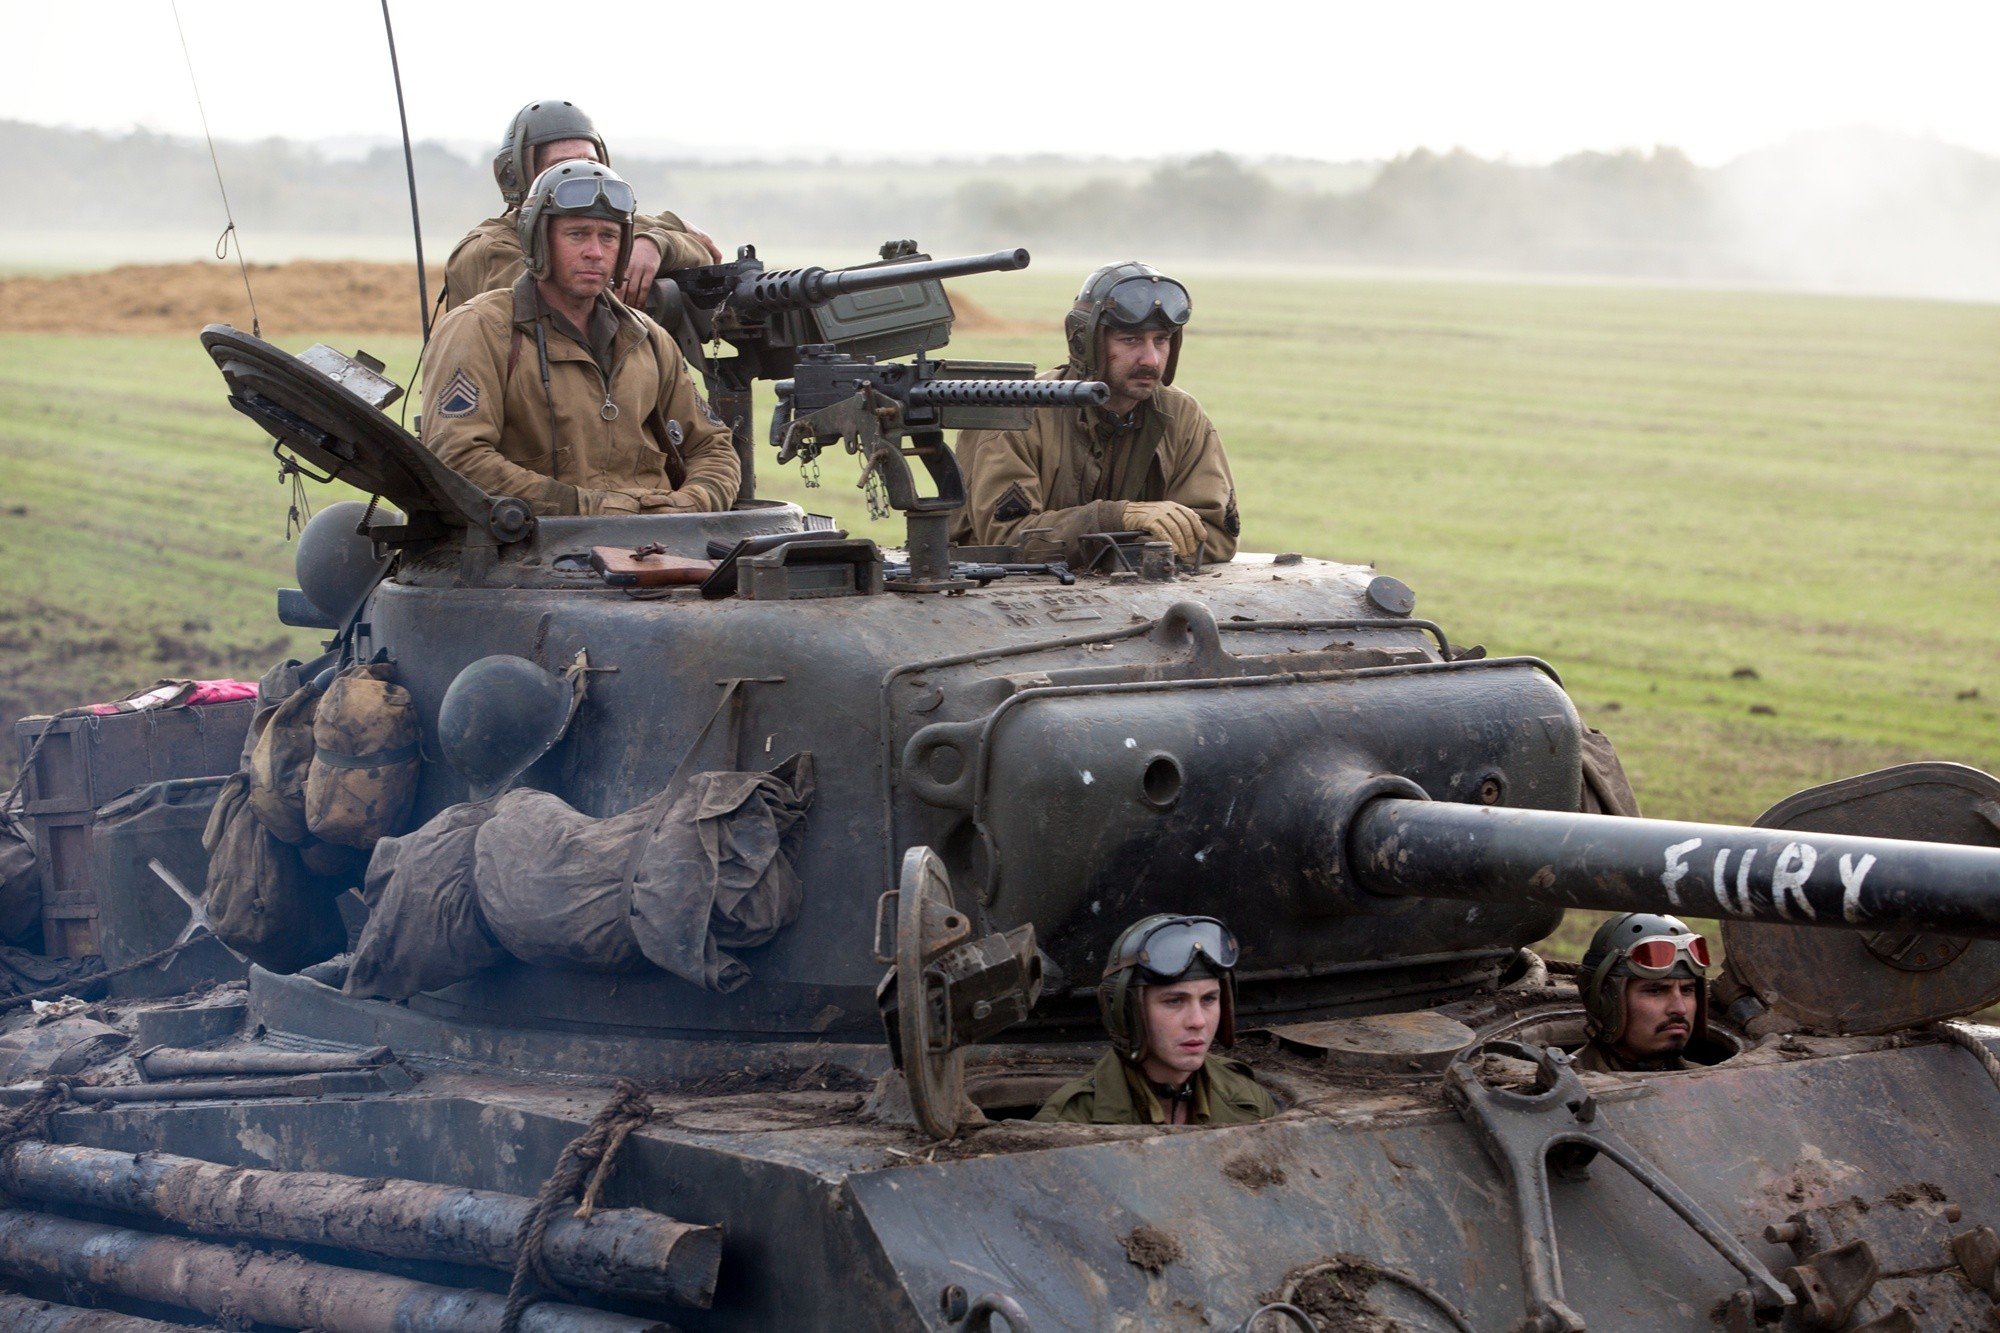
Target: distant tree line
1843 210
1632 212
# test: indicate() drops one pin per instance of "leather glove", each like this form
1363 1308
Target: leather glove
1170 522
669 502
607 502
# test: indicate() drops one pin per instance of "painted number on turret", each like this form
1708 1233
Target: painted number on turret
1788 876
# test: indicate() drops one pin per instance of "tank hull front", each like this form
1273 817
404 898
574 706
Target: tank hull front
836 1220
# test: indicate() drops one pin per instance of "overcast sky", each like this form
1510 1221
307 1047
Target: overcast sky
1335 81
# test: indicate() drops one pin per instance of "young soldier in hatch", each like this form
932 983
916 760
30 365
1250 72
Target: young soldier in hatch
491 257
1168 995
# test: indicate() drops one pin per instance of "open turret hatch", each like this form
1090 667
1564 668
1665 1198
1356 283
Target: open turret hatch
315 416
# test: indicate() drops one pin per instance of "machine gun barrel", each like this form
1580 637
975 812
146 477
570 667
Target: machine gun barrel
763 293
1435 849
1010 393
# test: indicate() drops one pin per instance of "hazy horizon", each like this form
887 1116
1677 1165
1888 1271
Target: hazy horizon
1525 84
1860 211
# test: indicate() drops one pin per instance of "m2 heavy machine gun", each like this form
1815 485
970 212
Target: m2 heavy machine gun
833 1130
894 307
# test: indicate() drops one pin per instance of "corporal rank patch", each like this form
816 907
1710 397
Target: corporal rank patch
459 397
1014 504
706 410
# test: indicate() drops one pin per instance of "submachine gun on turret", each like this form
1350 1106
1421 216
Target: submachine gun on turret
894 307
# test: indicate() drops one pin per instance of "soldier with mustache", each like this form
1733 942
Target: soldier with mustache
1148 461
1645 994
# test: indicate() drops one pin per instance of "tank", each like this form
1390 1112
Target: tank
1011 763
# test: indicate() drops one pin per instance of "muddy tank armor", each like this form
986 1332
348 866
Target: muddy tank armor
1013 765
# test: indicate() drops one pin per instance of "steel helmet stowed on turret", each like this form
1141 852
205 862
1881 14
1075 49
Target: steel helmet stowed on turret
549 120
1159 951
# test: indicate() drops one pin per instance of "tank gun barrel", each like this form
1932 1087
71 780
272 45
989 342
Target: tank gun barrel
1010 393
760 292
1495 854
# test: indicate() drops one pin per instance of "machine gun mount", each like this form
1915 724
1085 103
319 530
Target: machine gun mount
890 413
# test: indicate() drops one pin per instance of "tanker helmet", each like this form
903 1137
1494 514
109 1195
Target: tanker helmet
498 717
577 188
547 121
1159 951
1639 944
1129 296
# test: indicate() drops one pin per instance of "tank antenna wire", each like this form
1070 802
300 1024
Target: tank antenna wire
222 242
409 170
416 371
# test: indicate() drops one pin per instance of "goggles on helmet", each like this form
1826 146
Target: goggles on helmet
1169 949
1658 956
1146 299
581 193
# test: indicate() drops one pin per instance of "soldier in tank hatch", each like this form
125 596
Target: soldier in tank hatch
1168 996
542 134
1148 461
554 391
1645 994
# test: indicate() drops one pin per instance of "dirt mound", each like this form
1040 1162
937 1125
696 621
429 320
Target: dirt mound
971 317
307 296
303 297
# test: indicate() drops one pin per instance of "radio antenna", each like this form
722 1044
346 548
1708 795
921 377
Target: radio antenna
410 170
229 234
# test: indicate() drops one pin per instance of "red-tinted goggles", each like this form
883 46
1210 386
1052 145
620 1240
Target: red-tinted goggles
1658 956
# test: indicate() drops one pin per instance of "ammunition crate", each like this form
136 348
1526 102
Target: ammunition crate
86 762
69 906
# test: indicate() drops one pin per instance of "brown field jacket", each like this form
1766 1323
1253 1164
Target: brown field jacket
1072 472
487 417
490 257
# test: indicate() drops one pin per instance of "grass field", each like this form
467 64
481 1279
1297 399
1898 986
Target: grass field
1695 504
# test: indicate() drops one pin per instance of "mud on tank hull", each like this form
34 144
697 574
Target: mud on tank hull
1368 1199
1076 756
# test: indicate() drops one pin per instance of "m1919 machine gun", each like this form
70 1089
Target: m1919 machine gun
890 413
894 307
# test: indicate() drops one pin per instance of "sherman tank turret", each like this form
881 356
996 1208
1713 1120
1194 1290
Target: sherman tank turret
985 770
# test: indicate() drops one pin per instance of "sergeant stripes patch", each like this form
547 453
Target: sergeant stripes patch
459 397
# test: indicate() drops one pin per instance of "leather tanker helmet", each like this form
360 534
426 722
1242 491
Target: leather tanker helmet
1130 296
1640 944
578 188
1159 951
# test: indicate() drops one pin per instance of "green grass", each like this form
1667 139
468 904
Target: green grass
1651 488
